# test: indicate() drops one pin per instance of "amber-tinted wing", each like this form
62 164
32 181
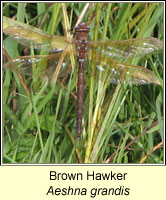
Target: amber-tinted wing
126 48
40 67
106 51
116 72
29 36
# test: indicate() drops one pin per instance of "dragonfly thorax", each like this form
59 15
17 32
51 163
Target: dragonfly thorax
82 41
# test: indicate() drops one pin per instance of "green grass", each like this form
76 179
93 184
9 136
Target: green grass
122 124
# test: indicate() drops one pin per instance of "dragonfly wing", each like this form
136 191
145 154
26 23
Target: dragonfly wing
127 48
32 37
40 66
116 72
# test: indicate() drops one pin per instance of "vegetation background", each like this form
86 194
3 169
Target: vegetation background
125 126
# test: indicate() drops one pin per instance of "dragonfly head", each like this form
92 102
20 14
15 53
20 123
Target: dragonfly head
82 27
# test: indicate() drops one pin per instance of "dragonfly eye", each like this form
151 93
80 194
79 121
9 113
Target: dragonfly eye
82 24
82 28
81 60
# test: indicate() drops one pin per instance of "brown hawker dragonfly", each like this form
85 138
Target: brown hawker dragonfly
107 55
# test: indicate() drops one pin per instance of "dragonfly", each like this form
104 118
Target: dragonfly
109 57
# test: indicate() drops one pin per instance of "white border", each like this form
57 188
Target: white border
80 163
